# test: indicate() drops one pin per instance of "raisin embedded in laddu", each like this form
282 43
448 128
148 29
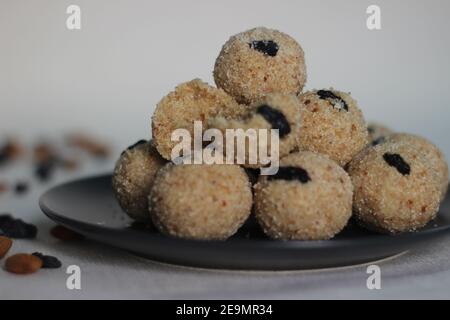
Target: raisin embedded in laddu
290 174
135 145
334 99
48 262
276 119
395 160
16 228
267 47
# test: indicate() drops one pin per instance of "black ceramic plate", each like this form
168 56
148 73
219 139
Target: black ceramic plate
89 207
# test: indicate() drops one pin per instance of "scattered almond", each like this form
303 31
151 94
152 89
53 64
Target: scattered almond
3 187
5 245
89 144
23 263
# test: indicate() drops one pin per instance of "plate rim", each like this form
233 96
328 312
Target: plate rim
368 240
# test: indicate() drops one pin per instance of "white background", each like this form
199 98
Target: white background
108 76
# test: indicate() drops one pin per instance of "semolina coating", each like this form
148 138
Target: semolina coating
190 101
310 198
332 124
377 132
201 202
395 188
133 178
274 111
432 154
260 61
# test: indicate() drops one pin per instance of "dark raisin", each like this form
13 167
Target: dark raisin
395 160
276 119
370 129
267 47
378 141
290 174
3 157
44 170
48 262
16 228
21 188
134 145
332 98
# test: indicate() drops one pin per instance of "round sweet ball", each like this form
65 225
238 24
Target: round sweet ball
395 188
434 157
133 178
274 111
189 102
332 124
201 202
377 132
310 198
260 61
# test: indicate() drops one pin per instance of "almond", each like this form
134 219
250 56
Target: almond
5 245
23 263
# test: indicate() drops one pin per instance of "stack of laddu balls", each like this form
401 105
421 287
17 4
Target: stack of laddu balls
332 163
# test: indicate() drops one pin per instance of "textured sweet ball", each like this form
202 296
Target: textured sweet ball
435 158
332 124
133 178
204 202
23 264
310 198
191 101
274 111
395 188
260 61
377 132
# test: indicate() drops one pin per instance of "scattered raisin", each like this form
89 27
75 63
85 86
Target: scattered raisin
290 174
267 47
44 170
378 141
5 245
16 228
276 119
21 188
23 263
48 262
370 129
395 160
64 234
334 99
